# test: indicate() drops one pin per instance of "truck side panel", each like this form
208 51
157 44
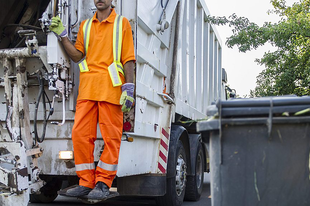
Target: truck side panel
178 74
199 66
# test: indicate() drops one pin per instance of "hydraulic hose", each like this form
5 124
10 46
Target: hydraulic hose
42 96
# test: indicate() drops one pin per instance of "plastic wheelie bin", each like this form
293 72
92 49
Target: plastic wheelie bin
259 151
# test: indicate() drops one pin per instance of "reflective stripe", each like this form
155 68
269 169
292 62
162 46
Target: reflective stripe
86 32
114 75
117 38
117 66
120 68
86 166
106 166
83 66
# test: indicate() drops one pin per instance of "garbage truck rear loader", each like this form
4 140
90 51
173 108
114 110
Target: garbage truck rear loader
178 74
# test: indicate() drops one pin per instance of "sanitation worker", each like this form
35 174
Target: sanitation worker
105 52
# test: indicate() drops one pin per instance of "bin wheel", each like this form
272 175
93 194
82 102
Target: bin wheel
48 192
175 185
194 183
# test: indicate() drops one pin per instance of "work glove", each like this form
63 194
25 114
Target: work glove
57 27
127 99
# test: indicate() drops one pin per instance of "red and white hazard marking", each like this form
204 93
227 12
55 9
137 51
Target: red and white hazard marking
163 151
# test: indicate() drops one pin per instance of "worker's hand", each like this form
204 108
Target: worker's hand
57 27
127 98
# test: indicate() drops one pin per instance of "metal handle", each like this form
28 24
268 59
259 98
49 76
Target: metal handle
54 8
60 86
166 98
63 112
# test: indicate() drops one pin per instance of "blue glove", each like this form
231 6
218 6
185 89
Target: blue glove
127 98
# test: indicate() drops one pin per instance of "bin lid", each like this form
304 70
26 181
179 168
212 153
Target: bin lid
262 106
254 110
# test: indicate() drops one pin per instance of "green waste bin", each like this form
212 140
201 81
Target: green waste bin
259 152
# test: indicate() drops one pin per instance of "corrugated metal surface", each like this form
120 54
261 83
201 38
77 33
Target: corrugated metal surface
197 77
199 61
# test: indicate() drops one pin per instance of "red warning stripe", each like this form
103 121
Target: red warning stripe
161 168
164 144
163 156
165 133
163 151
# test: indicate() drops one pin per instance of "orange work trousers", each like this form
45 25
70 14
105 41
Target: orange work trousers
110 118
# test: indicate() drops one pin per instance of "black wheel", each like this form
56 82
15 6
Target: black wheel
194 183
48 191
175 185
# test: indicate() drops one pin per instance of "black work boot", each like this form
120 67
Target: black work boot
101 191
78 191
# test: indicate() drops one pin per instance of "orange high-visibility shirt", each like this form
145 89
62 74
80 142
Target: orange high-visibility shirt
96 84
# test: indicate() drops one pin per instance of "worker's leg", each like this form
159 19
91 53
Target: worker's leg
111 127
83 137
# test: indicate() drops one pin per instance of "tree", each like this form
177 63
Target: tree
287 69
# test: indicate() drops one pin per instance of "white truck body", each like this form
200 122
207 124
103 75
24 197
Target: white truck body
178 74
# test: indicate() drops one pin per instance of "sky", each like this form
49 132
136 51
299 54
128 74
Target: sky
240 67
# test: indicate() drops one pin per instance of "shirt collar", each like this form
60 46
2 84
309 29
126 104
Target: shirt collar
110 18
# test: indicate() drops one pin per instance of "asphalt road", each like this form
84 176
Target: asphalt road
133 201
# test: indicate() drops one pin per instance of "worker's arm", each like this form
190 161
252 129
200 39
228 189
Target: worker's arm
58 28
73 53
129 71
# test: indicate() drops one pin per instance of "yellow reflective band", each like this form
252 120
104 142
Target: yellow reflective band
117 38
120 68
86 32
116 67
83 66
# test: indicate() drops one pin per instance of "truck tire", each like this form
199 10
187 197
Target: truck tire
176 185
48 192
194 183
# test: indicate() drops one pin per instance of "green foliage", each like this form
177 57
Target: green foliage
287 69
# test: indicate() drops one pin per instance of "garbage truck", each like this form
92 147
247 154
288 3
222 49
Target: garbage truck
178 73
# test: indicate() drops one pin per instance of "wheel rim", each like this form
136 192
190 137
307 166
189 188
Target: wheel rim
199 170
180 175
